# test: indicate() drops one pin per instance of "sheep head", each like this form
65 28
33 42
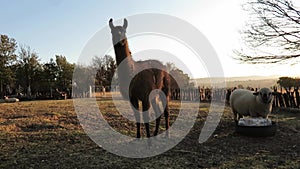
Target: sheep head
265 95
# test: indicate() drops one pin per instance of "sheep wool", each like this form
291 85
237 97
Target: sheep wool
247 103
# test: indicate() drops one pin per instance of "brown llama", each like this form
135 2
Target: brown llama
150 75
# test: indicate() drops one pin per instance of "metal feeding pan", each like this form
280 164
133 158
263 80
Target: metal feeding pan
257 131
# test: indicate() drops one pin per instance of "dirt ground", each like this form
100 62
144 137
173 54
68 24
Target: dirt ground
47 134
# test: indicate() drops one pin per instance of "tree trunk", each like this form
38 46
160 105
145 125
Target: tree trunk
1 88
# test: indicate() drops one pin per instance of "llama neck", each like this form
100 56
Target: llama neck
122 53
126 66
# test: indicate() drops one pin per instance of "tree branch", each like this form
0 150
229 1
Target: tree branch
273 24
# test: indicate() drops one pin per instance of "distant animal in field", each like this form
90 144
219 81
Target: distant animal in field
9 100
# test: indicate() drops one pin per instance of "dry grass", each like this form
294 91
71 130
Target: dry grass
47 134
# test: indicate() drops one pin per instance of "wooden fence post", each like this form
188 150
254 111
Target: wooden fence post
286 99
297 98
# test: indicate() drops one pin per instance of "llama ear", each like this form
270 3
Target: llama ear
111 25
125 23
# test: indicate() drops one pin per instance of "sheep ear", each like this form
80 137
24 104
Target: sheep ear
111 25
255 93
125 23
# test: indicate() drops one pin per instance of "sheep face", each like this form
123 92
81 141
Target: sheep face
264 95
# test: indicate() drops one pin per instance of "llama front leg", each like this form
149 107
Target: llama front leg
166 114
146 118
167 120
135 108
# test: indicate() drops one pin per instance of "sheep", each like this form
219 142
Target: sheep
10 100
254 104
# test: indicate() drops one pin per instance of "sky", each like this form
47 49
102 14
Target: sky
64 27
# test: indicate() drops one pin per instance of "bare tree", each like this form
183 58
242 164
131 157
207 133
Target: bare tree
272 32
105 68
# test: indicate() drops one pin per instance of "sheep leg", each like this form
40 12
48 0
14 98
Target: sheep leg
235 116
239 116
265 116
253 114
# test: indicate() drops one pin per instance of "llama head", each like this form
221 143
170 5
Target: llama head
118 33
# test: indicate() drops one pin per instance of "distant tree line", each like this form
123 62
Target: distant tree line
289 83
22 73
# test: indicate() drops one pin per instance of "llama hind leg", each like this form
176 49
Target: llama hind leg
167 120
157 114
165 102
135 107
146 118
